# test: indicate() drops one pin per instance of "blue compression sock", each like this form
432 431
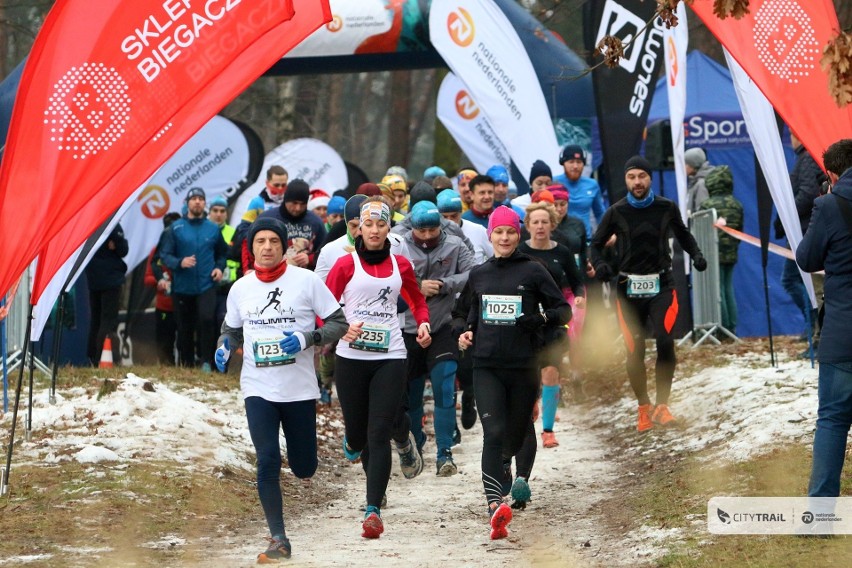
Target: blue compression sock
549 402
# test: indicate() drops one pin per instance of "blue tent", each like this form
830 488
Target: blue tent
714 122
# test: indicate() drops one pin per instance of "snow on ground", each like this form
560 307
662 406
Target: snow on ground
737 411
734 412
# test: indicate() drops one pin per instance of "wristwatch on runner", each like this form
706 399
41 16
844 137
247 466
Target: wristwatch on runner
316 336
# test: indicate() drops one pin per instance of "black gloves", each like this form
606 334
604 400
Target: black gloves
603 272
699 262
530 322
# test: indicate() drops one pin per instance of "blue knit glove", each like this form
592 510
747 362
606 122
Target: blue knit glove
223 353
290 344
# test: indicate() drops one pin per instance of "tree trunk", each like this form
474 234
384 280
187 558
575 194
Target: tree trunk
399 121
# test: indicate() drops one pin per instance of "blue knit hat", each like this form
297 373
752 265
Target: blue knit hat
425 215
498 173
218 201
336 205
432 172
449 201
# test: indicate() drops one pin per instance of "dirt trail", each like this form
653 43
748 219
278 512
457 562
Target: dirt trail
430 519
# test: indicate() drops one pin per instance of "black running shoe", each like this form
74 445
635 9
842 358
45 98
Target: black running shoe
468 410
279 547
506 485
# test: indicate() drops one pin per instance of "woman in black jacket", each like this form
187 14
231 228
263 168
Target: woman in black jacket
105 275
504 328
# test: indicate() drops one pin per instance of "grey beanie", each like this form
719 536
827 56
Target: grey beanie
694 157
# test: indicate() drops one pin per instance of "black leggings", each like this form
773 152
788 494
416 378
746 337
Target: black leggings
632 314
371 395
504 399
525 458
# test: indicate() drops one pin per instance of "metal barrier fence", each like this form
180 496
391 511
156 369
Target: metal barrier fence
706 293
16 322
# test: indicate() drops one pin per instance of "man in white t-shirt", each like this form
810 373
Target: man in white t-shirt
272 312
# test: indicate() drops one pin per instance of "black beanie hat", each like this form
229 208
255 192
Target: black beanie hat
352 209
539 168
267 224
422 191
297 190
638 163
571 152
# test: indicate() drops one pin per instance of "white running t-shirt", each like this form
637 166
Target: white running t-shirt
264 311
372 300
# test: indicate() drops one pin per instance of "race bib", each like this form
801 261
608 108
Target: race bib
268 353
643 285
500 310
374 337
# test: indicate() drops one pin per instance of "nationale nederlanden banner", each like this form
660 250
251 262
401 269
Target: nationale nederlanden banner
482 48
468 125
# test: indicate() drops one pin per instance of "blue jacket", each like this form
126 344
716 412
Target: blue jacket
584 198
827 245
187 237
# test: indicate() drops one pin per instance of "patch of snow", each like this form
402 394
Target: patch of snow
95 454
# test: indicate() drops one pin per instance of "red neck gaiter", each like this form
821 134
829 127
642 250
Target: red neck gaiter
270 274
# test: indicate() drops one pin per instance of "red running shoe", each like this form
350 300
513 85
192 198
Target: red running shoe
500 519
372 525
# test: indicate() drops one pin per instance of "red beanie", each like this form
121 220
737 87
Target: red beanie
558 191
542 195
503 216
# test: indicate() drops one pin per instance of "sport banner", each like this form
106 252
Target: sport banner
216 159
307 159
676 42
779 44
623 94
479 44
469 127
223 77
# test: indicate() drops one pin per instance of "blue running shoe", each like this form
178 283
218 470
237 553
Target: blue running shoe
350 454
445 464
520 493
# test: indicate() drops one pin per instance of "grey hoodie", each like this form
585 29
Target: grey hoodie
450 262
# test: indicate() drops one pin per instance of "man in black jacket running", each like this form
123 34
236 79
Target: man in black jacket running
641 223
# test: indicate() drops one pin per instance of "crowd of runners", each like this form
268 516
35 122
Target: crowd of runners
448 281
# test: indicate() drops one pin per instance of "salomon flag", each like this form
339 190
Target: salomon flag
469 127
479 44
103 81
623 94
779 44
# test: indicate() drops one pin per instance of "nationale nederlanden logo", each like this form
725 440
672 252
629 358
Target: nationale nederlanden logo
461 28
672 61
335 25
785 40
465 105
88 110
154 202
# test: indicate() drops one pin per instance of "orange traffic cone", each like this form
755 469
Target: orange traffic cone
106 355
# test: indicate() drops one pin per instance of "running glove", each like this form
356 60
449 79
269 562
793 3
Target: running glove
290 344
699 262
530 322
603 272
223 353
